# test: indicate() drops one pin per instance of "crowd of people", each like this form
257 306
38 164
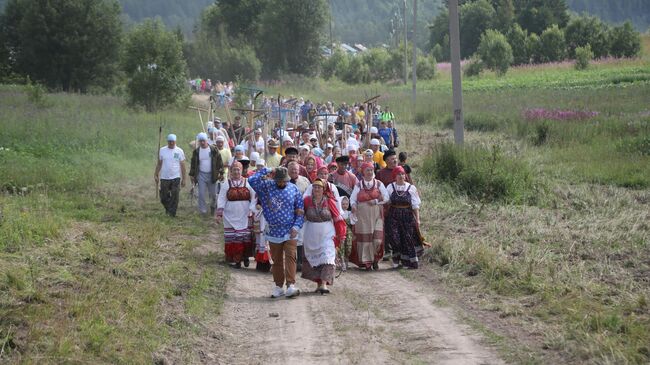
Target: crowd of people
289 188
223 92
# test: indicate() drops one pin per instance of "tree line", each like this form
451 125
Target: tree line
83 45
518 32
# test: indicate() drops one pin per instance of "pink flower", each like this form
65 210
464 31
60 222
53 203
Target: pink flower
556 114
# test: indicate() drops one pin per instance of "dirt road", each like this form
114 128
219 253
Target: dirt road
370 317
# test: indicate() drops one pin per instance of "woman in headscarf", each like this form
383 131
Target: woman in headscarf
235 205
403 221
366 200
310 166
324 231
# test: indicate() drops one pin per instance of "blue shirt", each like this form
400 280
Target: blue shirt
385 134
278 205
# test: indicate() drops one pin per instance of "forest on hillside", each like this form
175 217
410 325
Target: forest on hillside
369 21
616 11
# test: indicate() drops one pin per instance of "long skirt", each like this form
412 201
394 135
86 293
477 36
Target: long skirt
319 252
262 254
401 232
238 244
368 240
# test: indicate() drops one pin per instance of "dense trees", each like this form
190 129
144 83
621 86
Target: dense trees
283 36
66 44
291 36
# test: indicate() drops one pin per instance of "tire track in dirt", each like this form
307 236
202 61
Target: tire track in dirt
375 317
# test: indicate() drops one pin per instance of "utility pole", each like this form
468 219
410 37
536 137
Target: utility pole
331 39
406 73
459 124
415 62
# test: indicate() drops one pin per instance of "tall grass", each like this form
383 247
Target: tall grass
80 228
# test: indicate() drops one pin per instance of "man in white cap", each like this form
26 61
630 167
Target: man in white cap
286 143
226 155
170 172
378 156
206 169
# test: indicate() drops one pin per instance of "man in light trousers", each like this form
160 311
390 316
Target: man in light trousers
206 170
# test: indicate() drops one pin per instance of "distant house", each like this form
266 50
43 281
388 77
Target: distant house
349 49
360 47
325 51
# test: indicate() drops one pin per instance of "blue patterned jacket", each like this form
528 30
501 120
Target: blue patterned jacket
282 208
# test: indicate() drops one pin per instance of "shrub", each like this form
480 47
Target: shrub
238 63
357 71
474 67
378 62
587 30
36 93
483 174
517 40
336 65
426 67
553 44
583 56
437 52
534 48
495 52
626 42
541 134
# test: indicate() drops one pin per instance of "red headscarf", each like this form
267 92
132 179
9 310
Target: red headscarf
367 165
397 170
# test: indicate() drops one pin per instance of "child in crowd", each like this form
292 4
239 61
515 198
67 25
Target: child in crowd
402 162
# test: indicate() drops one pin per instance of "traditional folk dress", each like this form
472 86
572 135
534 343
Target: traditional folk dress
401 231
324 230
262 254
368 241
236 201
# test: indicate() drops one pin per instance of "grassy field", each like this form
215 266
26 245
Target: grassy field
92 271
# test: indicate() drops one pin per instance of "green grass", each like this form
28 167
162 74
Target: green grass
91 271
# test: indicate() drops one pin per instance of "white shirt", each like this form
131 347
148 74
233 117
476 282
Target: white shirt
302 183
205 162
171 162
382 189
415 196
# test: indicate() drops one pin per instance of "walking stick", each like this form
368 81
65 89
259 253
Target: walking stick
158 150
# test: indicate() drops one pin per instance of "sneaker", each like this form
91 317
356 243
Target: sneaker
292 291
247 262
396 265
277 292
375 266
